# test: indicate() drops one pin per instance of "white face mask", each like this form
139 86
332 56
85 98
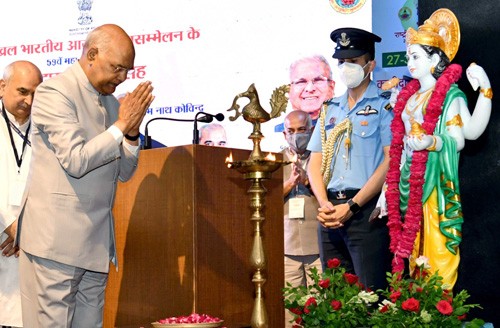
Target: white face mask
352 74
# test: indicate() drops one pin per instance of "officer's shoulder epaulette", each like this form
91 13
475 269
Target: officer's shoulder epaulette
386 94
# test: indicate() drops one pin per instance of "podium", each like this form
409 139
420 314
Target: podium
184 239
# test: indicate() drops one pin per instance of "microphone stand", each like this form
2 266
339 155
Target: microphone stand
147 137
196 132
207 118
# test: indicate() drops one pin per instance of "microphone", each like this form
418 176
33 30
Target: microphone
207 118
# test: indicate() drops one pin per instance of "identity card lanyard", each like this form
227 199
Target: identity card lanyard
10 125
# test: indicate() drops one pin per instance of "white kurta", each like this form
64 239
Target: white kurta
11 180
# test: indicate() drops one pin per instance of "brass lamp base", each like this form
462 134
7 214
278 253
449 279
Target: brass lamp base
256 169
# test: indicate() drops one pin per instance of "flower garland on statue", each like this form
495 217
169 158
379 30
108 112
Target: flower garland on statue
403 234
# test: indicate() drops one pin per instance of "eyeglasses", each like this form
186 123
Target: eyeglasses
117 69
320 81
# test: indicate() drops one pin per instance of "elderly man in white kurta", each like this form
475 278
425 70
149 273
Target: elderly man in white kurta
17 88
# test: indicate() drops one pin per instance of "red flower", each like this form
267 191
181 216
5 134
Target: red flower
298 322
192 318
448 297
444 307
411 305
350 278
297 311
384 309
324 283
462 317
309 303
361 286
419 289
333 263
336 305
395 296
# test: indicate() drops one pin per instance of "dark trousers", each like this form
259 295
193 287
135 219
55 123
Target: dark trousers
360 245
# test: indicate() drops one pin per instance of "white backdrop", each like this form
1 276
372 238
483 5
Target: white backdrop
235 43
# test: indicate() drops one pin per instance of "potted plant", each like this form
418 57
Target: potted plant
338 300
422 301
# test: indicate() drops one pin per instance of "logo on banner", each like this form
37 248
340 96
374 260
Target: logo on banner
347 6
408 15
85 6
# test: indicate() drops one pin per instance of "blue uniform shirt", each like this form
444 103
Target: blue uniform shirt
371 119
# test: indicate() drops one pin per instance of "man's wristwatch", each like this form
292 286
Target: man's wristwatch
353 206
132 138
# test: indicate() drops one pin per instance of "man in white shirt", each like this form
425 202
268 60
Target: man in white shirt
17 88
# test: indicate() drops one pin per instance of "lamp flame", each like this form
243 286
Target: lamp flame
270 157
229 160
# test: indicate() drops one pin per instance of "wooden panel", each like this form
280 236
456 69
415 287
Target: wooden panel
223 224
153 220
184 237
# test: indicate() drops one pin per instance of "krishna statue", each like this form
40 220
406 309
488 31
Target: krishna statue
430 126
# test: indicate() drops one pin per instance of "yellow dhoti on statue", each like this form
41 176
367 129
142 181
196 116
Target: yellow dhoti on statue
431 243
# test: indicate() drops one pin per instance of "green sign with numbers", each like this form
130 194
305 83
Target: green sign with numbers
394 59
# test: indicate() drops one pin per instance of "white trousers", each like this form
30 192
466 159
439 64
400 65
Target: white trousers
57 295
